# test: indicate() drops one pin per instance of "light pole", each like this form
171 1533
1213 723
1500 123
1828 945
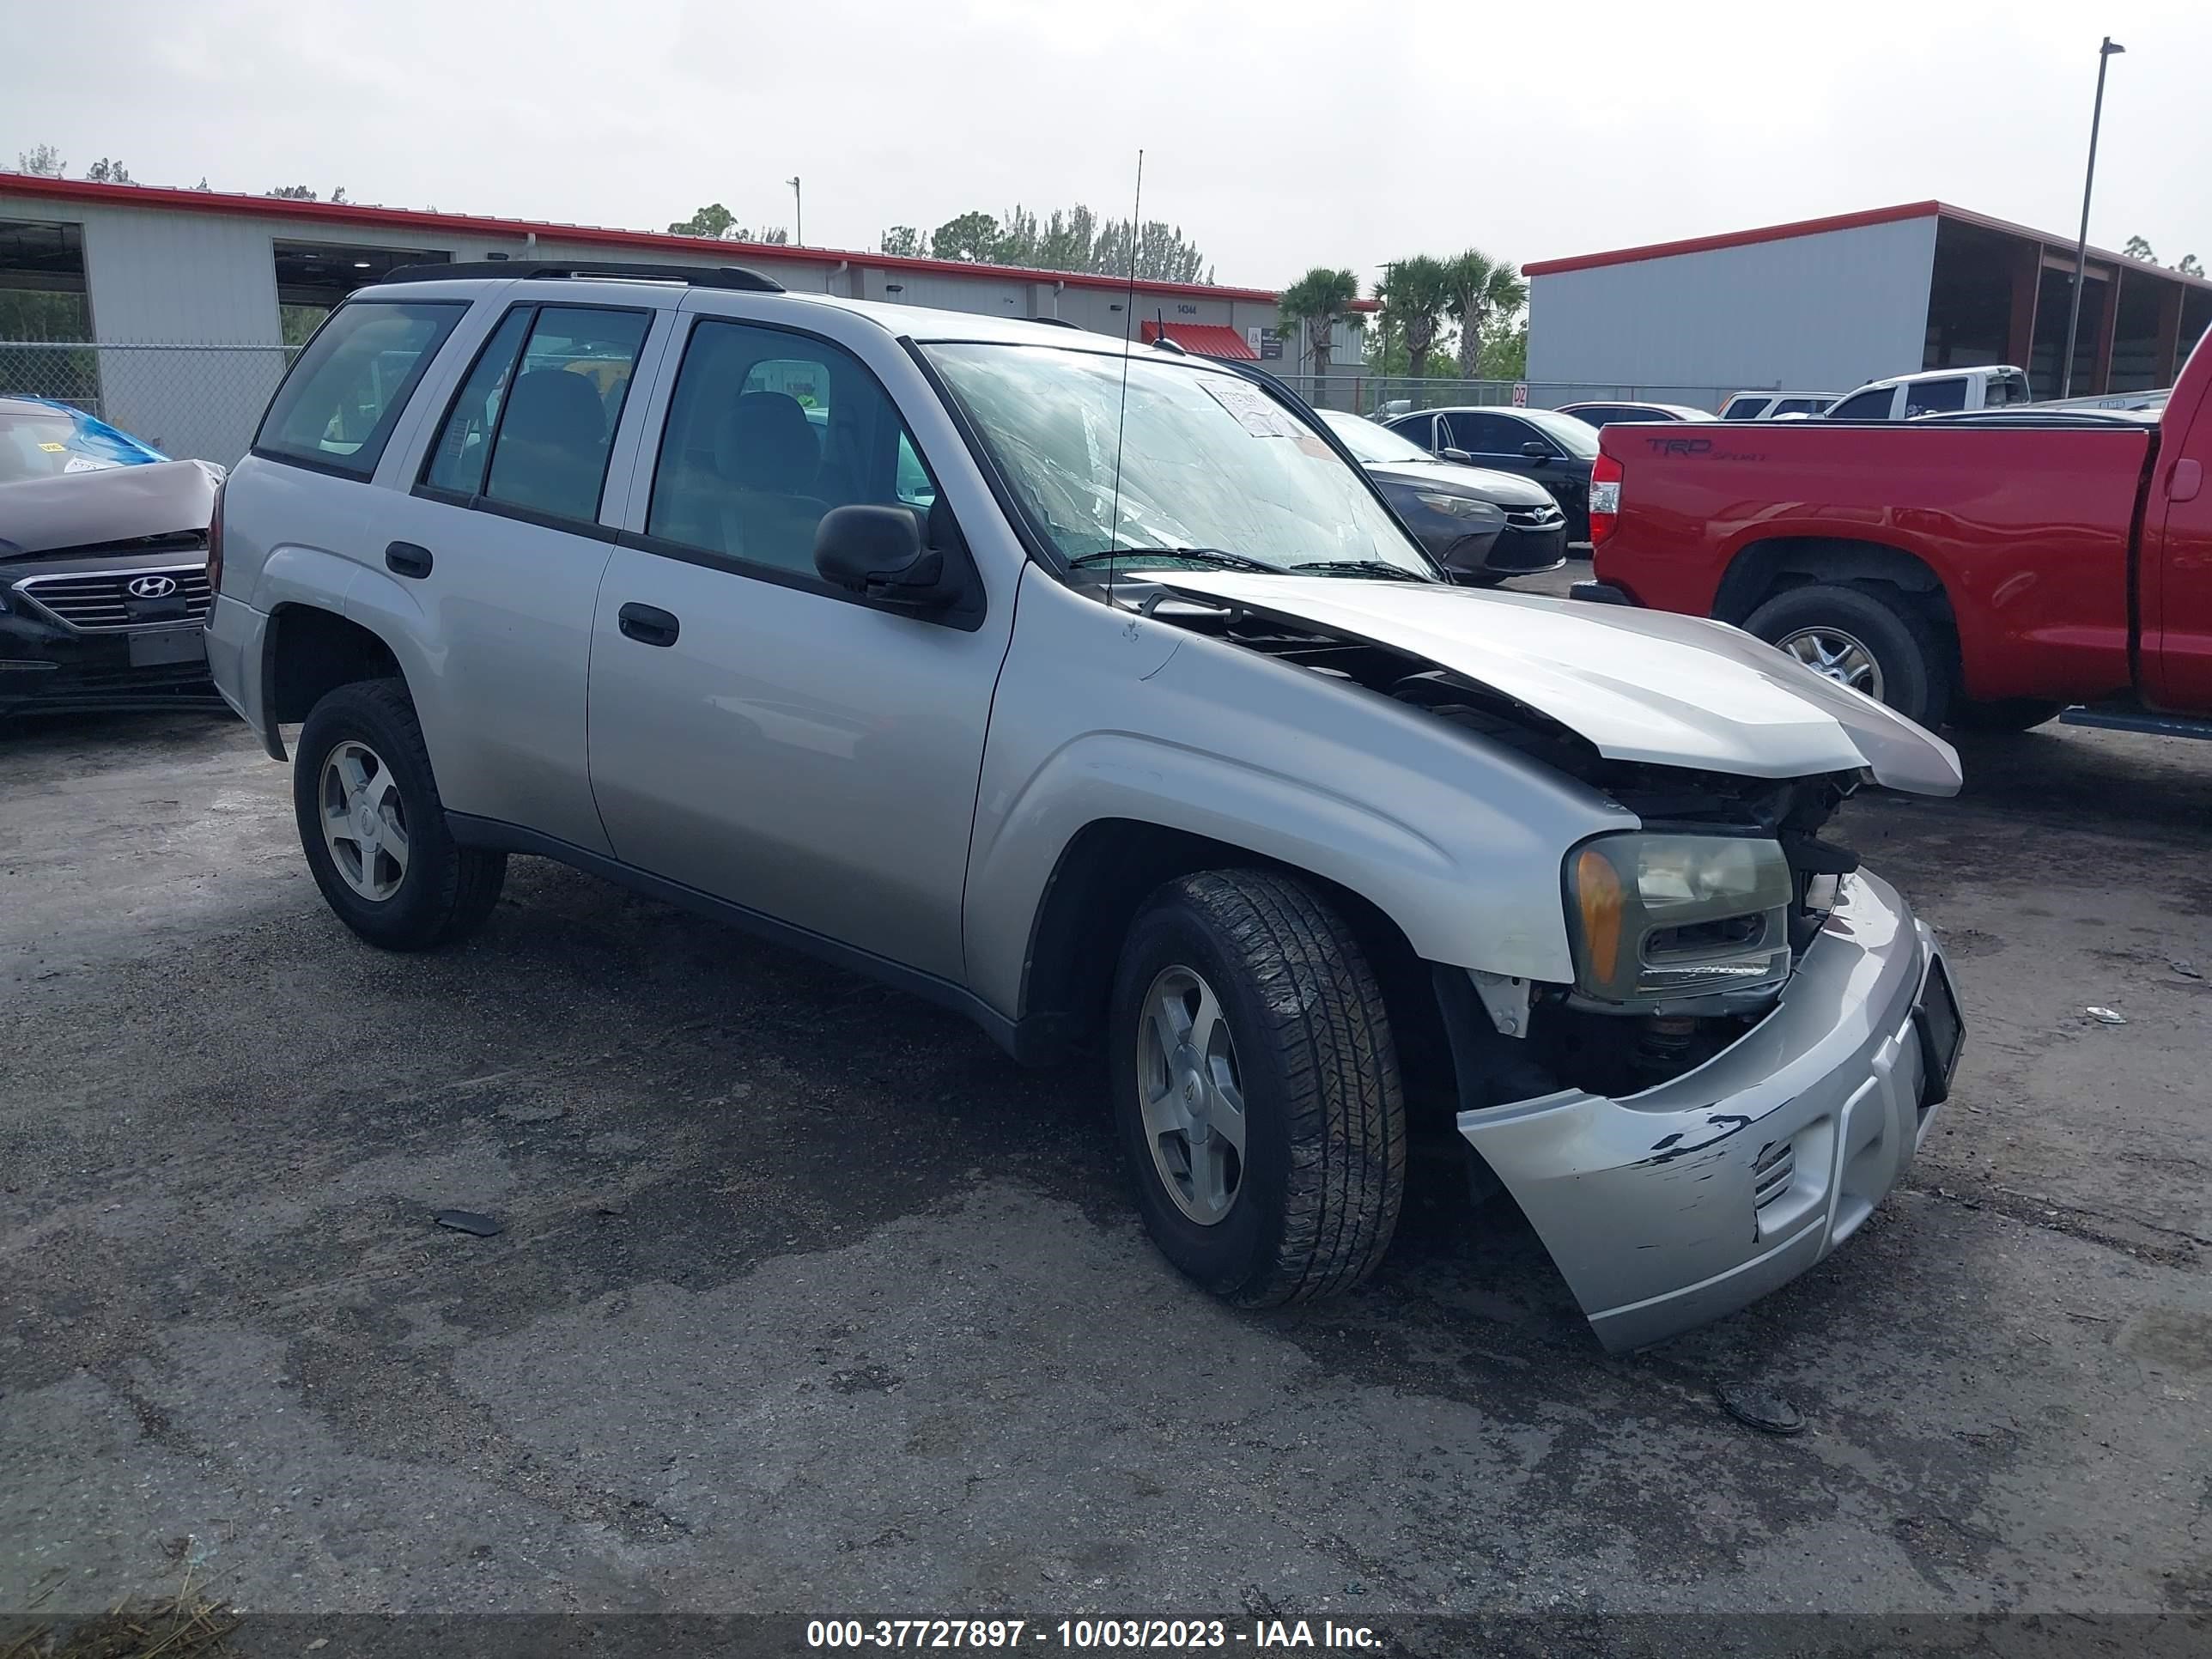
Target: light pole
2082 245
798 206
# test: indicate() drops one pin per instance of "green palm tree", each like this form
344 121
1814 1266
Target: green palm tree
1484 291
1319 299
1414 293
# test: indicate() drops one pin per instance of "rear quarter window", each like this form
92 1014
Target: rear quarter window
337 407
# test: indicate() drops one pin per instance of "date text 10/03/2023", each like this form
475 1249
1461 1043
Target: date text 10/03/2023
1088 1634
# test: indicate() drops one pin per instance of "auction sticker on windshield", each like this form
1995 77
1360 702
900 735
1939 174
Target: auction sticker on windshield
1258 413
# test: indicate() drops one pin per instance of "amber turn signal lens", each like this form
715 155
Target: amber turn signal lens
1597 889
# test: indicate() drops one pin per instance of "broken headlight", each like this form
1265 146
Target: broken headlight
1661 918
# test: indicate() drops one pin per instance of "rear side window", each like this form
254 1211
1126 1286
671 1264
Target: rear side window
1801 405
1491 434
337 407
1746 409
1935 396
1866 406
532 426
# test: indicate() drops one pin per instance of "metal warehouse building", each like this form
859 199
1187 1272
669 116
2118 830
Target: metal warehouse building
1824 305
169 312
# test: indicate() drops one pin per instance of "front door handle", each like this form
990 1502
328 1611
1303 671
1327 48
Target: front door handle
405 559
648 624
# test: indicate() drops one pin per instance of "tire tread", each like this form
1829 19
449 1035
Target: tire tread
1330 1031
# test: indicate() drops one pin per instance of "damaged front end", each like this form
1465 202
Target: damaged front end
1671 1204
1757 1032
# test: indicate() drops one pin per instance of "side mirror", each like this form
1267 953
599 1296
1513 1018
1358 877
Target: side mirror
1536 450
877 552
1459 455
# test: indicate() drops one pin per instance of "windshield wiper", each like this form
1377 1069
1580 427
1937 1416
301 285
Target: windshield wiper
1363 568
1213 557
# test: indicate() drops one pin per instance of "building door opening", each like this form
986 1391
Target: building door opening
311 277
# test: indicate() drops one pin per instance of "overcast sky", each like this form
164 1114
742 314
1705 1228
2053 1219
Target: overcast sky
1279 136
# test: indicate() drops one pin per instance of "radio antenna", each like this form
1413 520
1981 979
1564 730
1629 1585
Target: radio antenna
1121 421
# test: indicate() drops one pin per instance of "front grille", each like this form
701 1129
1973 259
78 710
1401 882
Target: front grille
1534 517
1777 1167
102 602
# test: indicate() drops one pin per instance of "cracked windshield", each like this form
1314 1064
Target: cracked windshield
1210 465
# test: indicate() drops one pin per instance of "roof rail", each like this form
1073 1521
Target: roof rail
726 276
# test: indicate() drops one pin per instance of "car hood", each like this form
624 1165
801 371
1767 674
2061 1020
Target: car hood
1500 488
1639 685
114 504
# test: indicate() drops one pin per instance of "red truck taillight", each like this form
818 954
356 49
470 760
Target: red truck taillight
1604 498
215 544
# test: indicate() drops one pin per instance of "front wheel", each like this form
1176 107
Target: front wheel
1257 1088
1878 644
374 828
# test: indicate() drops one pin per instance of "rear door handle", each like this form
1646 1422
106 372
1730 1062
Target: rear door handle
405 559
648 624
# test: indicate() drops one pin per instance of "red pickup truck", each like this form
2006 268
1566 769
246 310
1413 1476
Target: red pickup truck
1991 570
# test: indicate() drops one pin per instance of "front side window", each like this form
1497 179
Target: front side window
1420 430
1866 405
1208 463
1801 405
337 409
1562 432
2003 390
1746 409
767 431
1370 442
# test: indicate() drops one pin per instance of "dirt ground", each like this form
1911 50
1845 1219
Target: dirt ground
809 1301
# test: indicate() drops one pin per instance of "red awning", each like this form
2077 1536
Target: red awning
1206 339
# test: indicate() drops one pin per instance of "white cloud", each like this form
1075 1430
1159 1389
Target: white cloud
1279 136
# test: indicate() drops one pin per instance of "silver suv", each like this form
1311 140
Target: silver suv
1093 692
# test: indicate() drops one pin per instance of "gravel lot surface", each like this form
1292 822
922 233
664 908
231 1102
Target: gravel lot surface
808 1300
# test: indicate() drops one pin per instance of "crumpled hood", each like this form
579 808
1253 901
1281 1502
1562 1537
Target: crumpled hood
1640 685
114 504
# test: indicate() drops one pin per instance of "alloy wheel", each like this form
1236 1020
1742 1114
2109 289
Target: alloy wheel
1835 655
1190 1095
364 819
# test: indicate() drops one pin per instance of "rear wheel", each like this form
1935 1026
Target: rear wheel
2003 713
1257 1088
1878 644
374 828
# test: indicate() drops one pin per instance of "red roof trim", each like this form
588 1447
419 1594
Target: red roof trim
1625 255
1208 340
203 201
1840 221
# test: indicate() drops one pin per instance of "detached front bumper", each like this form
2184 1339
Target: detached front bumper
1668 1208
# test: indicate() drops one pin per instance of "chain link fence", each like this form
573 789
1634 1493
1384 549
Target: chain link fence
191 402
1379 394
